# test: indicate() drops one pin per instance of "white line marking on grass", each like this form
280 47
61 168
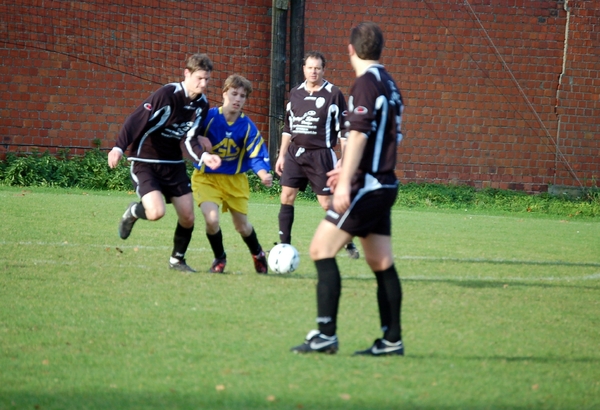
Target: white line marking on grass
40 262
592 277
402 257
69 244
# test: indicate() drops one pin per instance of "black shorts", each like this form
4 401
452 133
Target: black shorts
303 166
369 212
170 179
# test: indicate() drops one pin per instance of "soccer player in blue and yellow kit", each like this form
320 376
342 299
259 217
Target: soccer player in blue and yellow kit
235 139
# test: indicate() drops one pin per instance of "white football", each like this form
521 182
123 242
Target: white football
283 258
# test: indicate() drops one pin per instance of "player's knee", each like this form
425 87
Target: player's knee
212 225
312 251
243 229
378 263
318 251
324 201
287 198
187 221
154 214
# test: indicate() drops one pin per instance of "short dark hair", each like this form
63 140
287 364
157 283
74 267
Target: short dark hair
367 40
197 62
316 55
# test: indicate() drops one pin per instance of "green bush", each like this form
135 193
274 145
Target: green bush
91 171
439 196
275 190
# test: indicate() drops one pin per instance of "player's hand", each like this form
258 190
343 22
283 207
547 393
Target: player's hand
279 165
114 156
205 143
212 161
334 176
341 198
267 179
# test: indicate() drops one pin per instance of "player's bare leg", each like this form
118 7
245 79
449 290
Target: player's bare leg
184 206
154 205
153 201
378 251
351 249
327 241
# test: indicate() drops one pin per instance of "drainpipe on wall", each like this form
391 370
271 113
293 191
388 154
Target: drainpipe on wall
277 94
560 82
296 42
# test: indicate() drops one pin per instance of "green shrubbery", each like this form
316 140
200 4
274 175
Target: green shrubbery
464 197
91 171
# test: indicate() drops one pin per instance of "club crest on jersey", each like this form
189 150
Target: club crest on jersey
361 110
148 106
320 102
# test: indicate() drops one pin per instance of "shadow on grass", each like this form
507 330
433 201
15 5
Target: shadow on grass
482 283
500 261
487 284
508 359
182 400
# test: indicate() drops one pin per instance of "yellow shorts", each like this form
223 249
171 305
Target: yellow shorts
227 191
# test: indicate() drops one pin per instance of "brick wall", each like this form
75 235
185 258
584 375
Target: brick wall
499 93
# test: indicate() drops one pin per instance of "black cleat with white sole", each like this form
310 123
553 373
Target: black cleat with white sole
181 266
317 342
126 222
352 250
382 347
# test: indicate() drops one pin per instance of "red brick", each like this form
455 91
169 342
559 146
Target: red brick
463 107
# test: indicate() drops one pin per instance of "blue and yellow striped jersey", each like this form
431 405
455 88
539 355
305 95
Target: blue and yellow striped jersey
240 145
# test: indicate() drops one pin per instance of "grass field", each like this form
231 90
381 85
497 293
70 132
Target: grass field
499 312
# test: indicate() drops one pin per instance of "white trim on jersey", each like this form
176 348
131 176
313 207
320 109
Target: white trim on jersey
191 134
333 157
371 184
374 69
154 161
165 113
335 111
381 104
135 179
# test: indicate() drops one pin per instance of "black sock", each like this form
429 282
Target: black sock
286 220
139 211
252 243
389 299
216 244
181 241
329 288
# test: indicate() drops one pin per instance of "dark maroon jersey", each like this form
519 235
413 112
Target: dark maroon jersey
167 120
375 109
314 120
